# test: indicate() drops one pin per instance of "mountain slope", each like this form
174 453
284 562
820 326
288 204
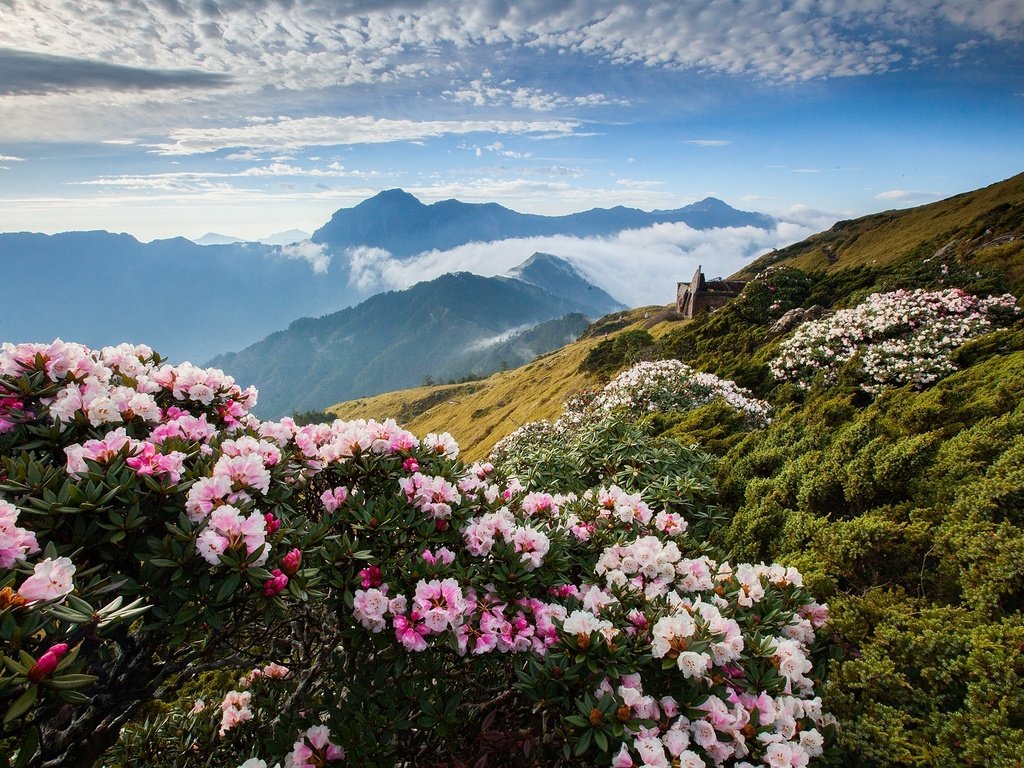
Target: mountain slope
560 278
391 340
184 300
985 226
400 224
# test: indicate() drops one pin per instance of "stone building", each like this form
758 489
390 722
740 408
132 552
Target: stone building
701 295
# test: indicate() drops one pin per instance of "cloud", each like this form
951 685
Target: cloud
639 184
709 142
314 253
317 44
185 180
11 159
907 197
25 72
638 267
285 133
483 92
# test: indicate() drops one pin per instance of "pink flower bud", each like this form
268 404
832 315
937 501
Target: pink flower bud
290 562
276 584
411 465
47 663
272 523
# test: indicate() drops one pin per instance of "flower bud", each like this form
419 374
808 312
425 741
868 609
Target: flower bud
290 563
272 523
47 663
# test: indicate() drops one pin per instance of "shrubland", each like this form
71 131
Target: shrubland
186 585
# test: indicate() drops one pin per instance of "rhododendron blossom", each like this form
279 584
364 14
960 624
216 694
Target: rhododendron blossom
51 579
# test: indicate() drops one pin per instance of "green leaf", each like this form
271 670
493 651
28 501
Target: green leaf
27 747
584 743
71 681
228 587
601 740
22 704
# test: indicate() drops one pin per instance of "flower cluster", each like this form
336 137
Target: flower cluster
648 387
392 555
903 337
667 385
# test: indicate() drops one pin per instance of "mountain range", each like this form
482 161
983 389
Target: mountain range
192 301
454 326
400 224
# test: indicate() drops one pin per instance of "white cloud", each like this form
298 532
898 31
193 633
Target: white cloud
639 184
709 142
323 43
294 134
11 159
907 197
199 180
483 92
894 194
637 267
317 256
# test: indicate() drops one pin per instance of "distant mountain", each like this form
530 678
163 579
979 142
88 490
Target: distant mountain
559 277
216 238
285 238
187 301
278 238
191 301
454 325
400 224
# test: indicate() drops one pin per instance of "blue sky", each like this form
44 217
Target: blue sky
248 117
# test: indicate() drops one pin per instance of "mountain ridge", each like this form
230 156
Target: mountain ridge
398 222
433 329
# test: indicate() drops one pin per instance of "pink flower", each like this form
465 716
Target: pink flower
276 584
411 465
291 561
50 580
409 631
235 710
15 543
47 663
441 603
370 577
314 749
272 523
334 498
444 556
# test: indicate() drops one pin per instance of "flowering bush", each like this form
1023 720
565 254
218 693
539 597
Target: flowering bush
391 603
903 337
648 387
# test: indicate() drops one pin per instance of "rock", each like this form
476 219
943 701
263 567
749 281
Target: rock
795 317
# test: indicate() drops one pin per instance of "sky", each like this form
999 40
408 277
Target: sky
249 117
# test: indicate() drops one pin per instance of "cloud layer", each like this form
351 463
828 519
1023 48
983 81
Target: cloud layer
322 43
638 267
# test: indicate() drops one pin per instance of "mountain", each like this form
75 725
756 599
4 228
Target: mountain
216 238
192 301
435 329
399 223
287 237
982 229
187 301
560 278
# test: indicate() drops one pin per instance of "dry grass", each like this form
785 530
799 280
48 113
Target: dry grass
480 413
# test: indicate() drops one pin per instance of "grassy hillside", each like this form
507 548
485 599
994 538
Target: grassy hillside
480 413
901 508
981 231
984 227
